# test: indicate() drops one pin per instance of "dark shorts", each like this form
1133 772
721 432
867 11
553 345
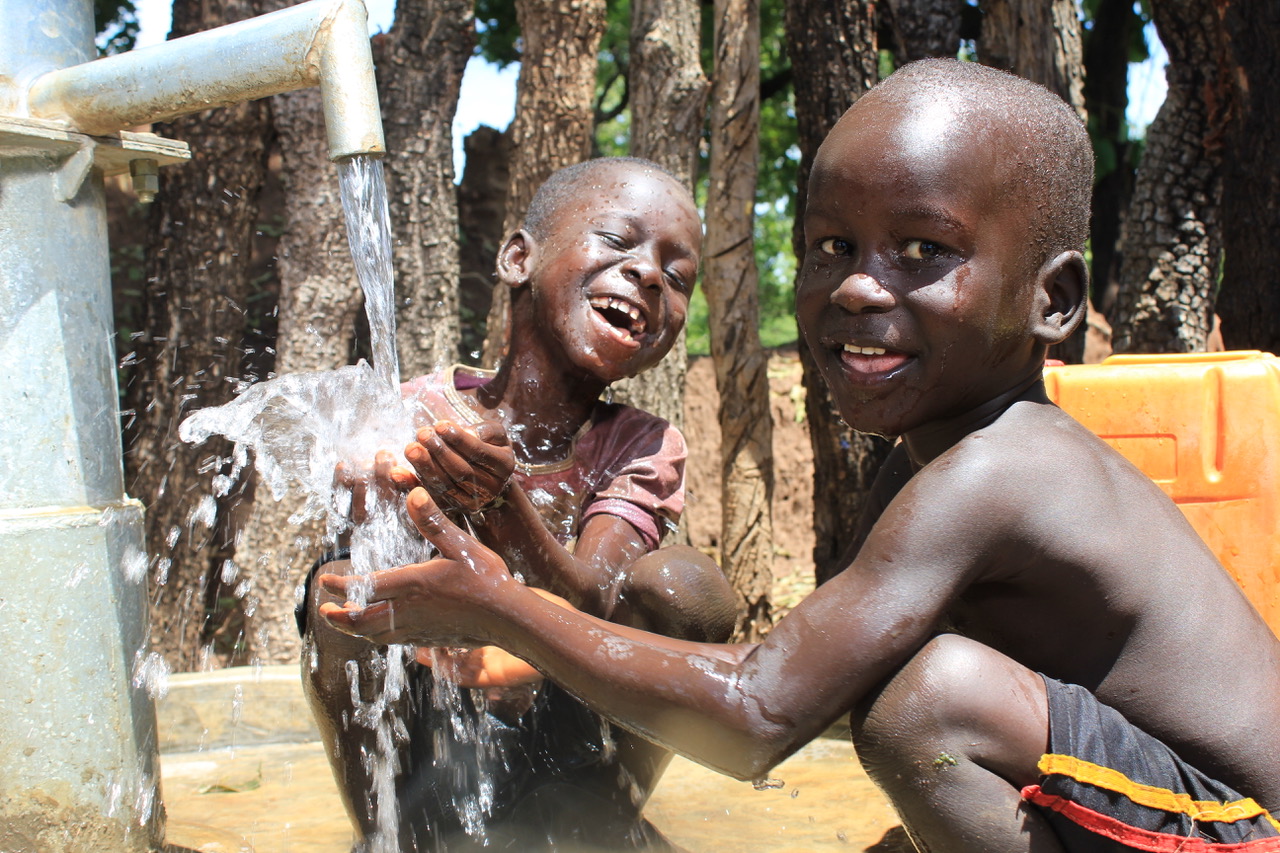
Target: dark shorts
1107 786
550 780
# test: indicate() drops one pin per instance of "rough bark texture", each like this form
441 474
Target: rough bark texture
730 279
833 56
198 247
1040 41
924 28
1171 238
668 102
420 64
1106 60
482 207
1250 301
554 116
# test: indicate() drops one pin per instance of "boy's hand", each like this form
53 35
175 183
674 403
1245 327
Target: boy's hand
369 483
436 603
463 468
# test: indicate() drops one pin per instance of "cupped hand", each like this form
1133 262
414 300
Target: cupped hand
439 602
370 483
465 468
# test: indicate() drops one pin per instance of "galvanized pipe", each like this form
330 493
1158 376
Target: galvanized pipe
323 42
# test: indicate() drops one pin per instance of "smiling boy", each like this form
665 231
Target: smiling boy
600 277
1034 649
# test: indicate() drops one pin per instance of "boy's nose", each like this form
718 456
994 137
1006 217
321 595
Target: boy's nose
643 271
861 292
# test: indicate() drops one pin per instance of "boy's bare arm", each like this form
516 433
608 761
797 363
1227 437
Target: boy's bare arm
739 708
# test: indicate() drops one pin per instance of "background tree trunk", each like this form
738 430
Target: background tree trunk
554 116
924 28
1250 301
1107 47
668 101
746 430
1171 238
1040 41
420 64
482 209
833 53
196 291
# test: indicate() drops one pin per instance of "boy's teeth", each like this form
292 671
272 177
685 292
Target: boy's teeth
857 350
637 324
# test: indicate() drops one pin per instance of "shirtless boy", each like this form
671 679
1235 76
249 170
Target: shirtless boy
600 277
946 218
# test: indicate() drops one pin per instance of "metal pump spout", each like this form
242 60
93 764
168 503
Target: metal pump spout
322 42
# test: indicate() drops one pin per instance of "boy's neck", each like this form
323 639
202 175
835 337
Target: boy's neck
929 441
542 407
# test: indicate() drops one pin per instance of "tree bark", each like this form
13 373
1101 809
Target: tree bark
1106 61
833 54
196 293
668 105
1040 41
1250 302
420 64
482 209
552 129
924 28
1171 238
730 279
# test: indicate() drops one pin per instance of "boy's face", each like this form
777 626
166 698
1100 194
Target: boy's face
615 271
914 295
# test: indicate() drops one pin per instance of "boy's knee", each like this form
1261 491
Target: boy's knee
679 592
955 698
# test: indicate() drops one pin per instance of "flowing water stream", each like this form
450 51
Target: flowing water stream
294 430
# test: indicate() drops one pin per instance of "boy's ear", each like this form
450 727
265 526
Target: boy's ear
516 259
1062 291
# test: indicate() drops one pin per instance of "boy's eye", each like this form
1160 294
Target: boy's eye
676 280
835 246
922 250
613 240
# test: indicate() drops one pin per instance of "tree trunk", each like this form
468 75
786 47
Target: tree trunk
730 279
554 114
1040 41
1106 96
668 103
1250 301
924 28
1171 239
420 64
833 56
196 292
482 208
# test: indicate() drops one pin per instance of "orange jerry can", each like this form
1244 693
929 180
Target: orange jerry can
1206 428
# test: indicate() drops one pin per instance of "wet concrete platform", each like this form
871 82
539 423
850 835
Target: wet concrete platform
244 772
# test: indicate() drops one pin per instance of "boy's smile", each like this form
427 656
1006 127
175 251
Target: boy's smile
915 295
613 278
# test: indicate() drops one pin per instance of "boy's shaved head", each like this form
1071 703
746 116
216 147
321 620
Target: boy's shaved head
1052 167
565 183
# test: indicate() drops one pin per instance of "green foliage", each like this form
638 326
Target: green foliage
497 32
116 23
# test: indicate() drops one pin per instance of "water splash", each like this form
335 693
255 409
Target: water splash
295 429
